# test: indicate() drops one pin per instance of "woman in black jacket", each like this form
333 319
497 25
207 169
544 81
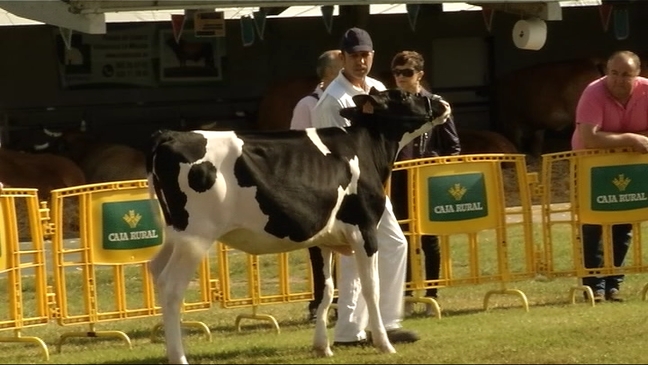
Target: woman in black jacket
407 69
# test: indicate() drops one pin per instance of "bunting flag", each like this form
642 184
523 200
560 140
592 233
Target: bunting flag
260 21
605 11
66 34
488 14
327 16
178 23
412 14
621 23
247 30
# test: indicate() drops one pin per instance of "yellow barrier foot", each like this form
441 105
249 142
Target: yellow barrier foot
520 293
195 324
199 325
93 334
431 302
155 330
35 340
260 317
644 292
333 308
581 288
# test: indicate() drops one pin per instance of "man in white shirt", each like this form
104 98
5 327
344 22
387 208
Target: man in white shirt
357 59
329 65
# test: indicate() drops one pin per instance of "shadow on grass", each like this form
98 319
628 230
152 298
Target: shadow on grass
261 325
247 327
253 355
494 307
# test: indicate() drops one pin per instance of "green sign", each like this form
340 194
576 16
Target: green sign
130 225
621 187
457 197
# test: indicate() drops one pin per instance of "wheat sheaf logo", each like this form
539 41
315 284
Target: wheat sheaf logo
621 182
457 191
132 218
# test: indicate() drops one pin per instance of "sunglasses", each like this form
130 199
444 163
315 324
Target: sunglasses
408 72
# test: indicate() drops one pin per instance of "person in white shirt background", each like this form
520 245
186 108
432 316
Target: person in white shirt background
329 65
357 58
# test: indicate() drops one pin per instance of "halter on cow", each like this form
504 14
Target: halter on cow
271 192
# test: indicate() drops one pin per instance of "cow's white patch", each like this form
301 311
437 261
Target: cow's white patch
354 165
221 145
317 141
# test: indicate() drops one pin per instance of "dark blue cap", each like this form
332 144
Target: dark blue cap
356 40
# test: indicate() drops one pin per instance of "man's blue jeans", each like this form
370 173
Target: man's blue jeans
592 237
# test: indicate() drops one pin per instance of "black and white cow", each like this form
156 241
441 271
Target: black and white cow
271 192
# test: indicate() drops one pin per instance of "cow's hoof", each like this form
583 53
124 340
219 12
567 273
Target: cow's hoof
325 352
387 349
181 360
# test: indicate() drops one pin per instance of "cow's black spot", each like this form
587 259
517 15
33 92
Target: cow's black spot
202 176
364 211
169 150
296 184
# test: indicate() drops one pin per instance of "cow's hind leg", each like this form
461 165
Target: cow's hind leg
368 273
160 261
182 258
320 342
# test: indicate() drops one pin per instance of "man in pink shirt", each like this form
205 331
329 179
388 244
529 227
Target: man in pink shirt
611 112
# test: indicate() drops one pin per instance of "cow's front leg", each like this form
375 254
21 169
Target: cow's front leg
320 342
368 272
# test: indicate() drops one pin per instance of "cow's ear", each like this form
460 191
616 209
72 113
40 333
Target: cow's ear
373 91
362 99
367 108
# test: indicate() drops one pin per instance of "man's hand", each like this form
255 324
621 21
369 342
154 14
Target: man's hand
640 143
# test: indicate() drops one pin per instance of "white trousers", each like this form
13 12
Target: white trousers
392 260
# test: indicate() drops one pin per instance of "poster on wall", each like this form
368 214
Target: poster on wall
190 59
118 58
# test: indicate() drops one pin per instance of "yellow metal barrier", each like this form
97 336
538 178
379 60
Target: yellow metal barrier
461 199
606 187
118 234
22 267
252 281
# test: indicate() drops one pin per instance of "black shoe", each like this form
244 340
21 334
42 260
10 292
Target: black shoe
312 315
614 296
399 335
359 343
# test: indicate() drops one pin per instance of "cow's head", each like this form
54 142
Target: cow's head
402 116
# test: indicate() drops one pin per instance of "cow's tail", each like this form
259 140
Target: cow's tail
154 142
156 139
